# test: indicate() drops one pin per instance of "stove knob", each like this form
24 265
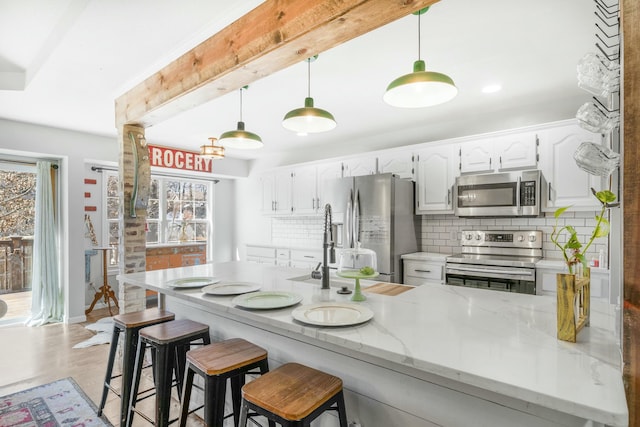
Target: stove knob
478 237
469 236
521 238
532 238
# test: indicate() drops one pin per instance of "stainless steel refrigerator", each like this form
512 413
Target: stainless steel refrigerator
377 211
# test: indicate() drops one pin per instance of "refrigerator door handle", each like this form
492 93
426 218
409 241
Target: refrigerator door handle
349 221
356 219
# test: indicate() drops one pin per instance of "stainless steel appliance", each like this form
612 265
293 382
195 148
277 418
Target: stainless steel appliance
496 260
377 211
499 194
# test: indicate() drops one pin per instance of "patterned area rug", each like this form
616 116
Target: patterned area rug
60 403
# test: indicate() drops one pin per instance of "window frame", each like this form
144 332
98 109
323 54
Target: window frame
162 219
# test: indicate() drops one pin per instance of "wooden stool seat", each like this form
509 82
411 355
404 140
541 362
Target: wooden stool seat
170 343
231 359
224 356
130 324
293 394
168 332
144 318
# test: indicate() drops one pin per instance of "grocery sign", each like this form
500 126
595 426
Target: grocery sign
174 158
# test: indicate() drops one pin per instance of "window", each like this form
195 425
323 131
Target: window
178 210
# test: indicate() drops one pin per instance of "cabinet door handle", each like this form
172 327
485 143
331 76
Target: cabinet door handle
448 197
500 162
423 271
549 191
308 256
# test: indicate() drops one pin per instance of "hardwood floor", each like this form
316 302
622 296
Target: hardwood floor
18 306
32 356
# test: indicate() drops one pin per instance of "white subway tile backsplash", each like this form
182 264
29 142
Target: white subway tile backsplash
441 233
448 241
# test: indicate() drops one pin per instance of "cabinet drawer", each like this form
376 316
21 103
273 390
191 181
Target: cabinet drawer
423 270
304 255
261 251
282 254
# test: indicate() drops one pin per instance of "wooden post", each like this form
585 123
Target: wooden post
631 206
134 181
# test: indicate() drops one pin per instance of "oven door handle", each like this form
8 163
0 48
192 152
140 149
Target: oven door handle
492 271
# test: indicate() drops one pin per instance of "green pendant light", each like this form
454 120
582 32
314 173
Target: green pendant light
420 88
309 119
240 138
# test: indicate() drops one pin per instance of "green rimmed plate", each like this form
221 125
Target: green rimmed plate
192 282
267 300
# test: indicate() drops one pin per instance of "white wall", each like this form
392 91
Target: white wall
253 227
71 149
77 152
225 222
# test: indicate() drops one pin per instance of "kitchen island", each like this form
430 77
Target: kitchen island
434 355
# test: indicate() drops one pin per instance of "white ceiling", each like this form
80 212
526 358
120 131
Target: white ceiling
77 56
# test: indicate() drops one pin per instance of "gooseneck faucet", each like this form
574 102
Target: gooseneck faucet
329 252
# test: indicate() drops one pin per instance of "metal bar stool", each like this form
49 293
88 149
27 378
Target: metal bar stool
170 342
216 363
293 395
130 324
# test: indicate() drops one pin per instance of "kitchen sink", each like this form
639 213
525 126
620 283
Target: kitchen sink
333 282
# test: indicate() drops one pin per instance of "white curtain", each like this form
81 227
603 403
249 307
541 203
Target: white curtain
46 302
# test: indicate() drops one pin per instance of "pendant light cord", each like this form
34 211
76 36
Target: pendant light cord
419 49
309 77
241 103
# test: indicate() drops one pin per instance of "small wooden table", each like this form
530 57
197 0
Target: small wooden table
105 290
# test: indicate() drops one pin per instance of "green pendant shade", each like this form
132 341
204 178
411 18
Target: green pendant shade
241 139
420 88
309 119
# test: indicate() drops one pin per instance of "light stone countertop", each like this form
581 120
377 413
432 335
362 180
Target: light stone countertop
501 342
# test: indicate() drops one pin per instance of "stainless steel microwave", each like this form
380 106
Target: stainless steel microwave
499 194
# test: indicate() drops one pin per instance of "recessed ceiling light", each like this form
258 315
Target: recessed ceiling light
492 88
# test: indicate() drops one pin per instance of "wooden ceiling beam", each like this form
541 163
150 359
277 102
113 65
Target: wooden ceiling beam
273 36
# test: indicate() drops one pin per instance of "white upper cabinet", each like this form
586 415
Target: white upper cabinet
516 151
276 192
476 156
309 184
505 152
304 197
359 166
436 170
327 174
567 185
397 162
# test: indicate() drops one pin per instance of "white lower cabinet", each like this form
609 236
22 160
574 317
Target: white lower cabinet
261 254
305 258
282 257
420 272
546 283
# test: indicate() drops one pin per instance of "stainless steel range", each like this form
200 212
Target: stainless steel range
497 260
